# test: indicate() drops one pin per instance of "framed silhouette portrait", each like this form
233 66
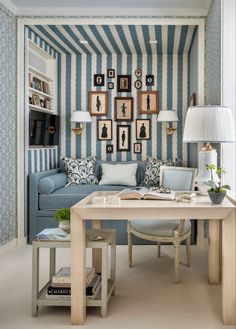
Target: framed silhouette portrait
98 101
148 102
123 138
124 83
98 80
109 148
137 148
111 73
104 130
143 129
150 80
123 108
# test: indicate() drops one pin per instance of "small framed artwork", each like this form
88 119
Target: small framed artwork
192 100
148 102
138 84
123 108
138 73
110 85
36 84
47 104
149 80
98 101
104 130
137 148
42 102
123 138
124 83
109 148
143 129
111 73
35 100
45 87
98 80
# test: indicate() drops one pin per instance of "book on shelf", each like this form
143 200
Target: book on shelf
53 234
63 277
144 193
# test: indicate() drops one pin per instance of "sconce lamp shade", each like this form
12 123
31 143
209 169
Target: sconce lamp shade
211 123
167 116
80 116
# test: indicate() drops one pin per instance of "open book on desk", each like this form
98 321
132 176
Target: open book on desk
139 193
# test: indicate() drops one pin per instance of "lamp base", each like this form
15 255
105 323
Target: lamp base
77 131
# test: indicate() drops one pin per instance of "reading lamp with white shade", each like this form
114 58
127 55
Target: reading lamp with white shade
208 124
80 117
168 116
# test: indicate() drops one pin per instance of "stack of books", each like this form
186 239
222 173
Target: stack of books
60 286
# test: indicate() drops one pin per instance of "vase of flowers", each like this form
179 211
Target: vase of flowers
63 217
217 191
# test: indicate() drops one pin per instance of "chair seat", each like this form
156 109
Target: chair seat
162 228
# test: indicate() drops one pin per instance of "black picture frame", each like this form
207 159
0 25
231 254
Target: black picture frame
141 133
137 148
138 84
123 145
124 83
109 148
111 73
149 80
110 85
123 105
101 124
98 80
138 72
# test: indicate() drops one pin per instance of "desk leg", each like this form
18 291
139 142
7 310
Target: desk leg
229 269
78 264
214 252
97 252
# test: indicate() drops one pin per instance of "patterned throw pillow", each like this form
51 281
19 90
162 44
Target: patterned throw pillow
152 172
80 171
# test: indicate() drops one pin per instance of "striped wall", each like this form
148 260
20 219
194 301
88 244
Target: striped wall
41 159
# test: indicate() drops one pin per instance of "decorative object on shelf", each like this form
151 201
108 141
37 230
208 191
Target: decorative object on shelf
110 85
148 102
45 87
138 84
192 100
47 104
36 84
123 138
212 123
98 103
123 108
104 130
109 148
149 80
138 73
186 197
30 100
63 217
111 73
98 80
217 191
168 116
124 83
80 117
35 100
143 129
30 80
137 148
42 103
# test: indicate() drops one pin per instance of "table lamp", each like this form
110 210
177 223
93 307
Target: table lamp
168 116
208 124
81 117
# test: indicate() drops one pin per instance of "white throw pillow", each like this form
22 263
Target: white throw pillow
119 174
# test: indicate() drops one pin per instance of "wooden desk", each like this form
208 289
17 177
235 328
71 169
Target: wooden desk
145 209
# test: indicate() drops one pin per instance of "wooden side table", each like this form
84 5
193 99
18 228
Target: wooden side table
107 282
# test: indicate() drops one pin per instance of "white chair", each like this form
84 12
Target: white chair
167 231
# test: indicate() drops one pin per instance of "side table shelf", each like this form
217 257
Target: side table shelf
107 284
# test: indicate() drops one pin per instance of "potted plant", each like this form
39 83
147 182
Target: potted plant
217 191
63 217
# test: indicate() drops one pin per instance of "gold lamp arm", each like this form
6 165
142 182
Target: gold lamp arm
169 130
78 130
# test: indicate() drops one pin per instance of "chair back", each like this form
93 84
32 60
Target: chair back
178 178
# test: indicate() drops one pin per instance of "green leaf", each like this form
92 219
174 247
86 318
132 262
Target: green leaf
227 187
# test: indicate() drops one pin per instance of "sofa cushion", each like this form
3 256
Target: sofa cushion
51 183
119 174
69 195
80 171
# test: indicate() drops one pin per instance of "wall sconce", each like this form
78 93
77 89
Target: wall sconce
168 116
79 116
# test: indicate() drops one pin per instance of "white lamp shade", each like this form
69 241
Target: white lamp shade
80 116
211 123
167 116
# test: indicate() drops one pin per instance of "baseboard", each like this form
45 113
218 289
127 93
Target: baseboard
22 241
8 246
202 242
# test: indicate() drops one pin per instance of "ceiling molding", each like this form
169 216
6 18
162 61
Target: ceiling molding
115 11
10 6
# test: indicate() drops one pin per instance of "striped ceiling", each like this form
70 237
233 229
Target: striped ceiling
118 39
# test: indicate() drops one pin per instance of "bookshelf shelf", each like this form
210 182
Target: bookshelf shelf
39 108
33 90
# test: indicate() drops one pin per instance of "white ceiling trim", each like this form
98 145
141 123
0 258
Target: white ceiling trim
108 11
10 6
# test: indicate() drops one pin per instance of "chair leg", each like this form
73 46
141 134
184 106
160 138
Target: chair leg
158 249
176 244
129 244
188 251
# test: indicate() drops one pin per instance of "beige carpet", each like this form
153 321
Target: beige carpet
146 296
